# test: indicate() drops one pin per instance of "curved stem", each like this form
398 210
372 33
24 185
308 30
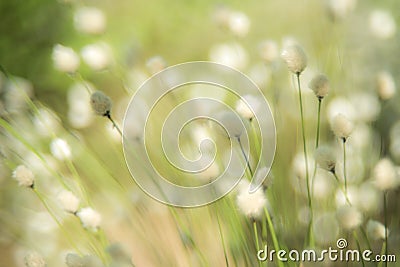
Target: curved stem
344 167
310 238
108 115
245 157
256 239
222 239
386 224
273 234
316 141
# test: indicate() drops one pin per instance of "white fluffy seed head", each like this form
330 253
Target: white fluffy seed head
232 123
269 51
239 23
349 217
341 126
60 149
295 58
382 24
386 86
325 158
97 56
89 20
69 201
385 176
34 259
251 205
376 230
320 85
246 106
65 59
24 176
101 103
89 217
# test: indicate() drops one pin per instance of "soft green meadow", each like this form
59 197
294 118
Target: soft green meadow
329 70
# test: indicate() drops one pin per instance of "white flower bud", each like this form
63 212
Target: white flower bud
60 149
34 259
376 230
65 59
325 158
320 85
89 20
349 217
97 56
269 51
245 107
239 23
24 176
386 86
69 201
251 205
382 24
101 103
89 217
341 126
385 176
232 123
295 58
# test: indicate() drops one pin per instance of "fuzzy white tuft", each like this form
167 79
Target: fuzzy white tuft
341 126
376 230
385 176
320 85
60 149
90 20
24 176
101 103
251 205
349 217
69 201
295 58
65 59
34 259
89 217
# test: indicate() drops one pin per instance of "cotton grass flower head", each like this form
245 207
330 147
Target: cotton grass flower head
24 176
269 51
382 24
230 54
60 149
65 59
340 8
34 259
69 202
341 126
89 217
376 230
232 123
246 106
80 113
101 103
384 175
90 20
349 217
320 85
386 86
239 23
325 157
295 58
251 205
97 56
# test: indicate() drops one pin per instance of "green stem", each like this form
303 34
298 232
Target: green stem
245 157
344 167
384 245
310 237
67 235
316 141
222 239
358 246
256 239
341 188
386 224
273 234
108 115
